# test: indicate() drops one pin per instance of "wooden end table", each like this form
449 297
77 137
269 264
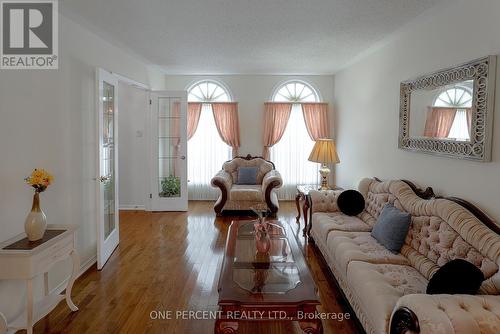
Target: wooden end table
303 195
273 286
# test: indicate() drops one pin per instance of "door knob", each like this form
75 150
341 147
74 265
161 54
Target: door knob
183 157
103 178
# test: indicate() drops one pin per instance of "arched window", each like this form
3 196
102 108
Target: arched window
460 98
290 154
208 91
206 150
295 91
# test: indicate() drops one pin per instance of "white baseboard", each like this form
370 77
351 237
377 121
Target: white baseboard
132 207
83 268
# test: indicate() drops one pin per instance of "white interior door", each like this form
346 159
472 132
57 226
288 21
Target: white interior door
168 151
107 178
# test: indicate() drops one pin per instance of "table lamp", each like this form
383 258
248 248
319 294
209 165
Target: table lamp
324 152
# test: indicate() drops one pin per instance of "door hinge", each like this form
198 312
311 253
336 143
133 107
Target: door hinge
150 195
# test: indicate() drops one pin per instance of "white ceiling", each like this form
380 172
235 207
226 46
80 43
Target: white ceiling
245 36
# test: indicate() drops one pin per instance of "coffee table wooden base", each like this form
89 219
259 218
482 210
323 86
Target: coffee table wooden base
228 323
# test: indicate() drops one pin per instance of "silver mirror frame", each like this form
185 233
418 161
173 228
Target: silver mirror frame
483 72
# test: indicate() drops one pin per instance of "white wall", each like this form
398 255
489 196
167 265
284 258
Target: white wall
132 157
251 91
367 102
47 120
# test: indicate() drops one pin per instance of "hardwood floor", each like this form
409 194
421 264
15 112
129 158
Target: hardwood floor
171 262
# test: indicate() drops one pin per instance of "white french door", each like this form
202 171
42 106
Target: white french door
168 151
107 178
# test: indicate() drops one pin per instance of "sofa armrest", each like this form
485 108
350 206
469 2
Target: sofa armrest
324 200
224 182
446 314
271 179
222 179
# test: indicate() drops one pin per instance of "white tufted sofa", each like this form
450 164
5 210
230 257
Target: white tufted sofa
387 290
261 196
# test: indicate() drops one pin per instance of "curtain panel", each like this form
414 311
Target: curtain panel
276 116
227 123
439 122
316 119
193 118
468 112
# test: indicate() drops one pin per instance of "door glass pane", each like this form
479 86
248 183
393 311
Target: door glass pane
169 147
108 157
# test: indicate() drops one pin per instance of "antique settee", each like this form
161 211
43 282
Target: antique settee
260 196
387 290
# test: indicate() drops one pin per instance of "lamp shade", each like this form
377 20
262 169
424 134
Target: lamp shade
324 151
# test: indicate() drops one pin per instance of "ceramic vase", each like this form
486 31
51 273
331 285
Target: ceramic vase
36 222
263 243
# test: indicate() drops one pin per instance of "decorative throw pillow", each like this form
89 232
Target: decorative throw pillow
456 277
247 175
391 227
351 202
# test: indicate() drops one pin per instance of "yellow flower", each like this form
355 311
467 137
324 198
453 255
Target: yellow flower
39 179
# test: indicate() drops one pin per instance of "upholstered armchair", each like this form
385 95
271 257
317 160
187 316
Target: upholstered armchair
261 196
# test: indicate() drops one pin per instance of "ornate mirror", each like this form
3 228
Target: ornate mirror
450 112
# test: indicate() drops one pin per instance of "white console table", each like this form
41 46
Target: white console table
24 260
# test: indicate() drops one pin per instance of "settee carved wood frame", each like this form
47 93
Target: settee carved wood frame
273 209
483 72
404 320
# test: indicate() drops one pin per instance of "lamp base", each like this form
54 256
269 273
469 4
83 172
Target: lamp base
324 171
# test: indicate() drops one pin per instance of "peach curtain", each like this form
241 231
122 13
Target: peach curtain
276 117
227 122
193 117
469 120
316 119
439 121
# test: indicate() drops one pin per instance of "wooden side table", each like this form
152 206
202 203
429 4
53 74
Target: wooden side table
303 195
24 260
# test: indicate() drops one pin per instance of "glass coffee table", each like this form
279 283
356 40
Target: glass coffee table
273 286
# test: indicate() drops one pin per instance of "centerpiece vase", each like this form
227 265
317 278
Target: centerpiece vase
262 240
36 222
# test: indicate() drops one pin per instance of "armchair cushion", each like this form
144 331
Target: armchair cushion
246 192
247 175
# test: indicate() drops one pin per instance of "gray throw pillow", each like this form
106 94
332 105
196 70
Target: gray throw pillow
391 227
247 175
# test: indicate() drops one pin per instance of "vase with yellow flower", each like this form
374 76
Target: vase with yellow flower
36 222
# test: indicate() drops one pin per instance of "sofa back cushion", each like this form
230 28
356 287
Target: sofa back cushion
440 231
377 195
263 166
